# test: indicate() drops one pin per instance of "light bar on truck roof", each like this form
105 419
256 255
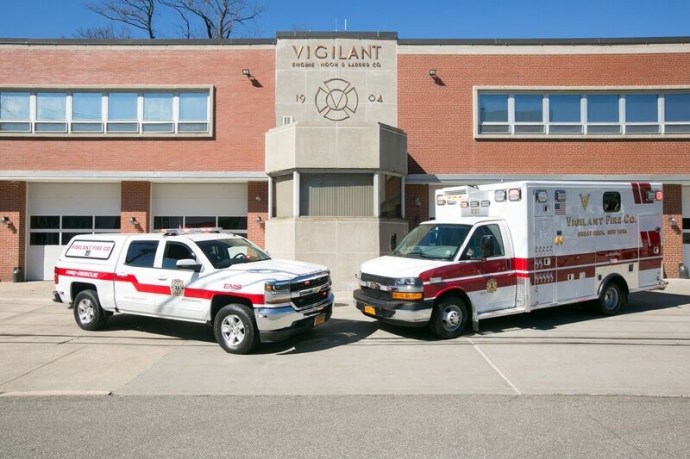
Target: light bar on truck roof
179 231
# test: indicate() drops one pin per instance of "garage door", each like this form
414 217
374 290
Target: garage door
177 205
58 211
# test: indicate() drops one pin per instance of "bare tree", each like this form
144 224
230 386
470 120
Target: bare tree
103 33
135 13
219 17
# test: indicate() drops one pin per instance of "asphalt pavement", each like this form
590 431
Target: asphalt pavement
571 350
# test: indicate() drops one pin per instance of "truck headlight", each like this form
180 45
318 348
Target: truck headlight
407 288
276 292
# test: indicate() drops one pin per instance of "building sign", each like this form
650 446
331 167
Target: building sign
345 79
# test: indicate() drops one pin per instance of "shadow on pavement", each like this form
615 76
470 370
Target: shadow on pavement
334 333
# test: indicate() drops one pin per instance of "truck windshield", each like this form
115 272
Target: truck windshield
223 253
433 241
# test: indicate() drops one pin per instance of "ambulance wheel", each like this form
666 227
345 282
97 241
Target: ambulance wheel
612 299
88 312
449 318
235 329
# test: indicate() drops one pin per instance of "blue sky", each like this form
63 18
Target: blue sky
409 18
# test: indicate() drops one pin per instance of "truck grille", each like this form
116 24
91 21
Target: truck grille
309 283
310 300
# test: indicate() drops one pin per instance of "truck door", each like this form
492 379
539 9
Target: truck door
134 289
487 263
173 284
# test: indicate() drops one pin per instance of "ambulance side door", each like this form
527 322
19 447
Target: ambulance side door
488 261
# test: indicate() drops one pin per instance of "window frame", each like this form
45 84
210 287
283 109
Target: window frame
585 129
72 126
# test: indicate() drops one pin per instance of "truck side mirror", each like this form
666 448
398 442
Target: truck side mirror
188 263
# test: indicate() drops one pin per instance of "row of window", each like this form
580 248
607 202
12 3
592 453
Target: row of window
105 112
58 230
528 113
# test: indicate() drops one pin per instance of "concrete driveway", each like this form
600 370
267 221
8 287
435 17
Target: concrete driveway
567 350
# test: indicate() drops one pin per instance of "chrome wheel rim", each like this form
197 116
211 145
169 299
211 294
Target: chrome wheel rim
233 330
451 318
86 311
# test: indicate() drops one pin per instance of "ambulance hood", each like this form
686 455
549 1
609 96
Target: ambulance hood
398 267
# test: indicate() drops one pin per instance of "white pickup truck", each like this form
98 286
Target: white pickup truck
205 277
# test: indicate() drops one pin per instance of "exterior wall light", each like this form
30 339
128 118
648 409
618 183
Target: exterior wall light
246 73
672 221
258 219
432 73
6 220
133 221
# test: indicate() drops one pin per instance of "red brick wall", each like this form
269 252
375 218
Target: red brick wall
438 118
135 202
256 231
673 234
13 235
243 111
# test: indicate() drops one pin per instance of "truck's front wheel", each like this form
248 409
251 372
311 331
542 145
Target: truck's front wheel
88 312
235 329
449 318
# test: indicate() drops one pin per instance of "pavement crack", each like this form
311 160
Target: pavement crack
41 366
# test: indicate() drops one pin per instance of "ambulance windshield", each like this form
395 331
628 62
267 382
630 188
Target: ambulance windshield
223 253
433 241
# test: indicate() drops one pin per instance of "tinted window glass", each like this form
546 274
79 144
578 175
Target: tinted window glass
14 106
158 106
602 108
677 107
141 253
564 108
612 201
528 108
108 222
45 222
86 106
493 108
641 108
233 222
122 106
69 221
50 106
193 106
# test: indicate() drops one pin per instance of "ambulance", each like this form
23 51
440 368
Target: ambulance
510 248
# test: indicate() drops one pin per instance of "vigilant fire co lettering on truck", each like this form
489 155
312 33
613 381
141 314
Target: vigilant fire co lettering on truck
510 248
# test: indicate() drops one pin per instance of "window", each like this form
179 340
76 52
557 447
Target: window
529 118
158 112
589 113
87 112
612 201
641 114
564 114
603 114
175 251
493 114
486 242
193 112
15 112
235 224
105 112
51 112
677 113
58 230
141 254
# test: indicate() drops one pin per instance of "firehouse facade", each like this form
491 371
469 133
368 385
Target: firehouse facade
324 147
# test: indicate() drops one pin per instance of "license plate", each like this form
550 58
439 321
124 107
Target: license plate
318 320
369 310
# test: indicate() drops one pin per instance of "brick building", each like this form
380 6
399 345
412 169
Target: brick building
321 146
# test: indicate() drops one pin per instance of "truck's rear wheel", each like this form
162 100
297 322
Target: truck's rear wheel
612 299
235 329
88 312
449 318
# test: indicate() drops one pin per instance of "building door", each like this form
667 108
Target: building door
59 211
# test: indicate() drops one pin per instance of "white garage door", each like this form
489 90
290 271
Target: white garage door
58 211
184 205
